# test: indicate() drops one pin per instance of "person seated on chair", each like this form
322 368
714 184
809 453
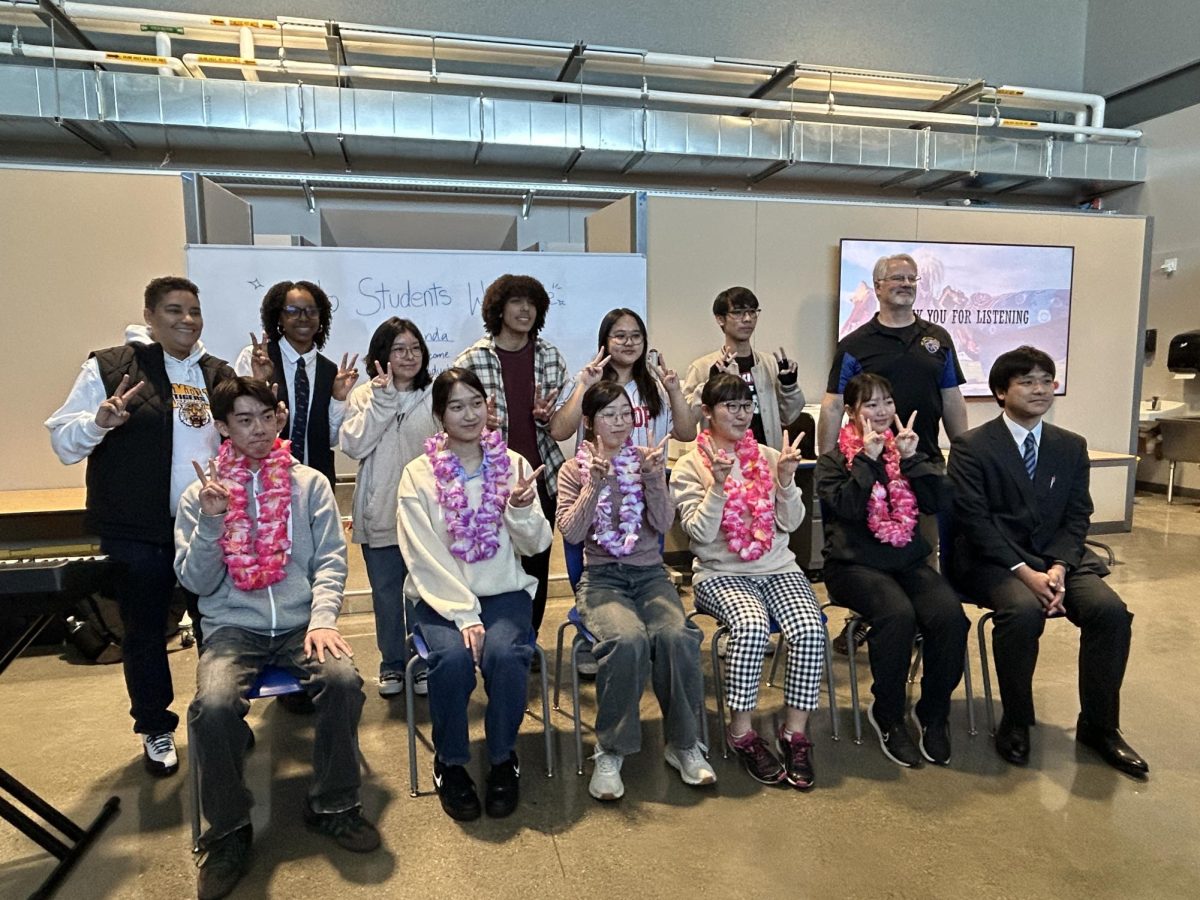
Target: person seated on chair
259 539
613 499
387 422
737 502
1022 511
873 483
466 515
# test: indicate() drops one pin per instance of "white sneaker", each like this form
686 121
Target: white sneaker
391 684
606 781
692 766
421 683
158 753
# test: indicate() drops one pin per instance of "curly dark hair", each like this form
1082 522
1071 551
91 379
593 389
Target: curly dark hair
380 350
276 299
505 288
158 288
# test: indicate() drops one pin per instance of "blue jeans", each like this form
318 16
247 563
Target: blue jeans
505 666
386 571
144 588
636 617
231 661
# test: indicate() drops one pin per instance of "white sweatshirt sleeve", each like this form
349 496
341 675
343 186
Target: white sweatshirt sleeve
74 433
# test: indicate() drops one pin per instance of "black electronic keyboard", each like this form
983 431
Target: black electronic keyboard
74 575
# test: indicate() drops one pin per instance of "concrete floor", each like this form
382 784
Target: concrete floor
1068 826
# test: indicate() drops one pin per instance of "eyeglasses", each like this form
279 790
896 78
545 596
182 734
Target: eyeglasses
902 279
302 312
744 313
736 407
627 337
613 417
413 352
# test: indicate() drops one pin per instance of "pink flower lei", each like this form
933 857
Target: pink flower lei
257 556
627 464
475 533
891 511
748 520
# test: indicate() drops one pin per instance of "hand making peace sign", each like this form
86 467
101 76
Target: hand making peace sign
906 438
347 374
114 411
598 466
214 496
786 366
721 464
261 366
789 459
593 371
383 377
543 406
873 441
493 418
525 490
654 459
668 378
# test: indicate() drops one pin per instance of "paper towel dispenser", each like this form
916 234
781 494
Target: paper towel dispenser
1184 356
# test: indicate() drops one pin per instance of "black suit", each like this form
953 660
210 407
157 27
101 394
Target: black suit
1003 518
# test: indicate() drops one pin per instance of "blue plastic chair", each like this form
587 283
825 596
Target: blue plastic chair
585 640
272 681
418 651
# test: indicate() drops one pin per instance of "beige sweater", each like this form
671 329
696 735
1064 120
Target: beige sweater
449 585
700 502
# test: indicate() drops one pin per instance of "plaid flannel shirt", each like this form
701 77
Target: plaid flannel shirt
549 373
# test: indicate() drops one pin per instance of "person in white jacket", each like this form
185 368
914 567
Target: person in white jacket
466 516
139 414
387 422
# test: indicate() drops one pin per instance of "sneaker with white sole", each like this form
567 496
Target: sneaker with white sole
391 684
421 683
606 781
158 753
693 768
895 741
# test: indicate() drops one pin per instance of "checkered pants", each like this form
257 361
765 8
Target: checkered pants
744 603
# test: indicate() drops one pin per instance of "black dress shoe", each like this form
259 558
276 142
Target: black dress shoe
1112 749
1012 743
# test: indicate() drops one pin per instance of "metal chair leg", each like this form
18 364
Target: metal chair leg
195 775
716 661
410 715
547 733
575 705
833 712
1171 482
781 648
987 676
971 729
558 660
854 620
917 659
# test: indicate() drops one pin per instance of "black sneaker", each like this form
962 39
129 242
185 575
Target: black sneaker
841 643
351 831
895 741
224 863
758 759
797 760
934 740
503 788
456 790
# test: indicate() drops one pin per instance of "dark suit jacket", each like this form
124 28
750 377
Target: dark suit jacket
1003 518
316 440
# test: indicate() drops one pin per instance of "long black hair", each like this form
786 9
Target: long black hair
646 384
380 350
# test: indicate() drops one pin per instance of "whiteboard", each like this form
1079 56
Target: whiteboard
440 290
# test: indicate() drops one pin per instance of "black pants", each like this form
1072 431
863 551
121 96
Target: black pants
1105 626
144 587
898 605
539 566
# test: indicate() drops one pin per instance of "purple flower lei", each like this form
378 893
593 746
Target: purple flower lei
618 541
475 533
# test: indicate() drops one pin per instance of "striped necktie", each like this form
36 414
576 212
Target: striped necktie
1030 455
300 414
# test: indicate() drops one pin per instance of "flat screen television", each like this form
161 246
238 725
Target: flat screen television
990 297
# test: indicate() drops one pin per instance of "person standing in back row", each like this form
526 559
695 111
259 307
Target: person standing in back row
296 318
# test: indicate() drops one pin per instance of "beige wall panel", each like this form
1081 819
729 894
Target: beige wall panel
797 267
610 230
76 250
695 249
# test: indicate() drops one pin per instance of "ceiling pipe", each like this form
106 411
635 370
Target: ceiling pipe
138 60
1093 102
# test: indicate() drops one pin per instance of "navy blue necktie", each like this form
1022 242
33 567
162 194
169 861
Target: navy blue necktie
300 414
1029 455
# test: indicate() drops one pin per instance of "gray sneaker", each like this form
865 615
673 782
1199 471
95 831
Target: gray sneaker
391 684
895 741
606 781
693 768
